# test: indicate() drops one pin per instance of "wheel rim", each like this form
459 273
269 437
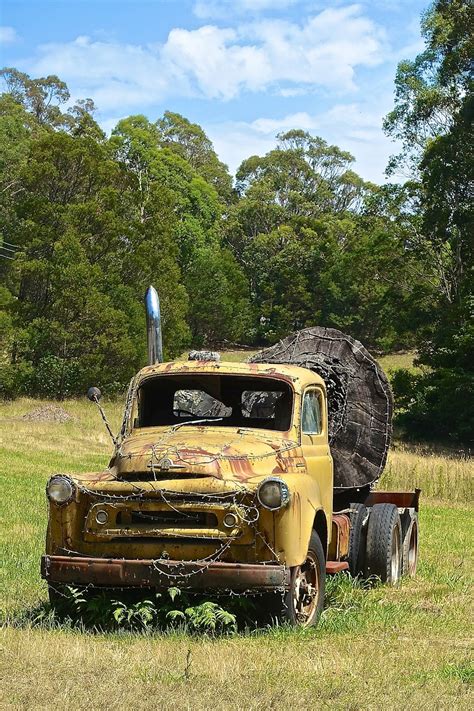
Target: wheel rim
413 549
305 590
395 556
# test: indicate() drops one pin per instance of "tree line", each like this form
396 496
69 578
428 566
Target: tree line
298 239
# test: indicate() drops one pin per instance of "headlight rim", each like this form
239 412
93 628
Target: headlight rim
285 499
68 480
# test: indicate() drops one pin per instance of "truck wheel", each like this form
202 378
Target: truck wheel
384 544
356 555
304 600
410 548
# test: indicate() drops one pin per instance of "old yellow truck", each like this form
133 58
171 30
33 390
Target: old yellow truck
222 480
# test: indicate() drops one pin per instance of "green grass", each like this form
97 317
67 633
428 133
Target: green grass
376 648
394 361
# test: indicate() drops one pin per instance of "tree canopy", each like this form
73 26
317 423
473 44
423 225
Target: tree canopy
89 221
433 115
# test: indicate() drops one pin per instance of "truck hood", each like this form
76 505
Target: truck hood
225 453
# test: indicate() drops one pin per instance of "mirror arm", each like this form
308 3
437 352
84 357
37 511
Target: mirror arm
102 413
94 395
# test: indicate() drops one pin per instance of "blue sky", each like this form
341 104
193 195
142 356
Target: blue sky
243 69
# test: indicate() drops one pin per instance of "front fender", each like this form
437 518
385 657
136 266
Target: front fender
294 523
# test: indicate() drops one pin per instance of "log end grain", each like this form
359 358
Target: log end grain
360 401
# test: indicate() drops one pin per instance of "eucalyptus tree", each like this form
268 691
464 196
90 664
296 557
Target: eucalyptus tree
433 117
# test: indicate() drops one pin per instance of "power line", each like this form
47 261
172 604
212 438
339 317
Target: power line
5 256
10 244
9 249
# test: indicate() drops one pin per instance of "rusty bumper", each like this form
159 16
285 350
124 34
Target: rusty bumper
162 574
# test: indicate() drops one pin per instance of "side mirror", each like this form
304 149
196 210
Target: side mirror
94 394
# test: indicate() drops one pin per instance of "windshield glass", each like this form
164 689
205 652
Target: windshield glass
235 401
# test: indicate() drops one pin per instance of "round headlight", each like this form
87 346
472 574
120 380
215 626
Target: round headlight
60 489
273 494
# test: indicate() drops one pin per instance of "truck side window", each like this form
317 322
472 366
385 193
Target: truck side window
311 417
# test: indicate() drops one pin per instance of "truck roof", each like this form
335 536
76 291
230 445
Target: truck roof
299 377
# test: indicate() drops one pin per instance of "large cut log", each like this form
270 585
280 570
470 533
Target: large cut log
360 400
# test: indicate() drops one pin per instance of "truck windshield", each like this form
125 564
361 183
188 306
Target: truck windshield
234 401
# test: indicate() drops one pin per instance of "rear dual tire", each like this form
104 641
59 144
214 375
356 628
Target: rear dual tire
410 548
357 539
383 557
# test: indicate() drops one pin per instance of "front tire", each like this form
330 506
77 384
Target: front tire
304 600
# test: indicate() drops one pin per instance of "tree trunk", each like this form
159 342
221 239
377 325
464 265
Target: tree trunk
360 400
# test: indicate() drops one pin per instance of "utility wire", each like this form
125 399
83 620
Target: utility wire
10 243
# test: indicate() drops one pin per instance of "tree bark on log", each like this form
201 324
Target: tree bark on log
360 401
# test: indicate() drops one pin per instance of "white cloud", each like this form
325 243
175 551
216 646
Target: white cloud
273 126
289 93
219 63
353 127
317 53
219 9
8 35
215 63
114 75
234 141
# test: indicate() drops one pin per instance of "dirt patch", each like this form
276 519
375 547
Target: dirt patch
48 413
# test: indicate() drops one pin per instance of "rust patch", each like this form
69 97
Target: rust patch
241 468
333 566
401 499
340 537
282 463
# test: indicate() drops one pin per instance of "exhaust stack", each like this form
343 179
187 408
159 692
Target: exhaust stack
153 326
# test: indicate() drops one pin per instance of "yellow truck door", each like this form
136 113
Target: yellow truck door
315 445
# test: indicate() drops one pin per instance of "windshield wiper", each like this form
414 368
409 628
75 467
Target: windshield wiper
196 422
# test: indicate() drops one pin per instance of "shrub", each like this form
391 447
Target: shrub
438 404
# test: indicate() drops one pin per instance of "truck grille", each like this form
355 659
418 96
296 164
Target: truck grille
185 519
148 520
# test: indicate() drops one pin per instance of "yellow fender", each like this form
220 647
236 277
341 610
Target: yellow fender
293 523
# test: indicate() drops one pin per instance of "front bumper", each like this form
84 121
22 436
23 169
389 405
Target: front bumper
162 574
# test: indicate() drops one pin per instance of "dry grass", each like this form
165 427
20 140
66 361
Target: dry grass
378 648
447 476
273 671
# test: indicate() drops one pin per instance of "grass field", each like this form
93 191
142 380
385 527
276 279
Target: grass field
374 649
